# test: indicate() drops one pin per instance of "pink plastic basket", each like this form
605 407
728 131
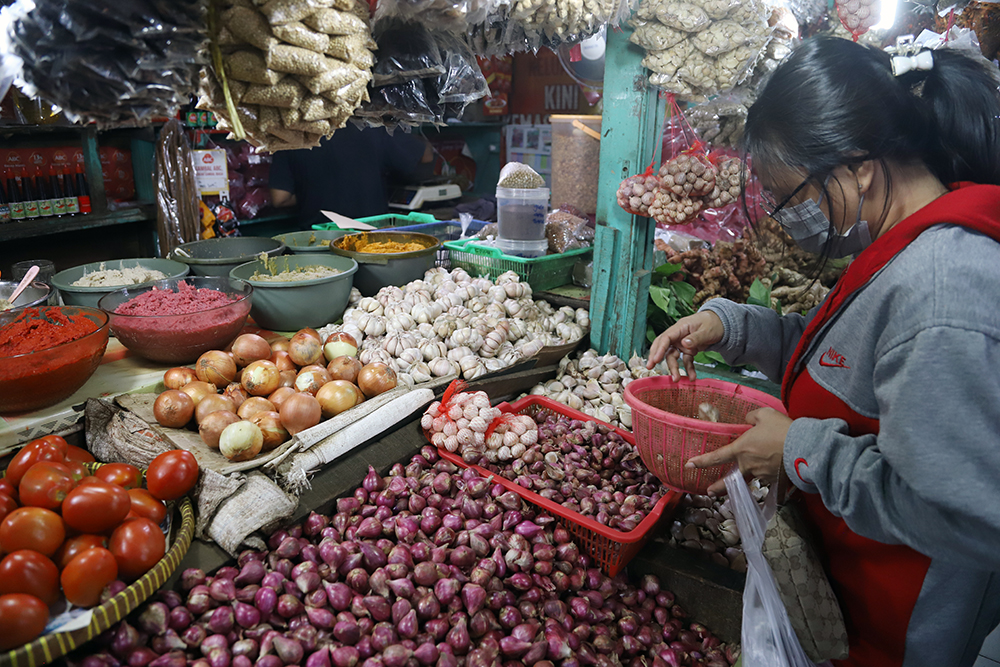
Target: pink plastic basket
668 432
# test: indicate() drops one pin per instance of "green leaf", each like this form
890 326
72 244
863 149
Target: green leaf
650 333
661 297
684 292
709 356
760 294
668 269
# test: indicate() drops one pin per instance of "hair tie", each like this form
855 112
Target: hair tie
907 56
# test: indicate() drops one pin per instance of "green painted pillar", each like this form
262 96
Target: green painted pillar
623 245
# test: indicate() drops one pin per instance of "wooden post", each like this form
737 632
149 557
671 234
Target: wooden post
623 245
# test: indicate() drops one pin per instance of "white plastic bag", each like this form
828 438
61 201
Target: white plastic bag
768 637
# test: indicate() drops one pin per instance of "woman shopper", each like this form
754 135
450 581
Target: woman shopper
892 385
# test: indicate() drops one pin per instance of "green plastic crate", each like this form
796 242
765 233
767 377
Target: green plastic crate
541 273
387 220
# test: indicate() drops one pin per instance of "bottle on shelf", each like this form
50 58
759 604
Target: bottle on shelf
4 207
15 197
30 197
69 192
58 198
82 191
45 207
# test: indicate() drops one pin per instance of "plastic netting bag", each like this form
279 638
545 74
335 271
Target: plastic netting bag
103 61
636 193
859 16
768 639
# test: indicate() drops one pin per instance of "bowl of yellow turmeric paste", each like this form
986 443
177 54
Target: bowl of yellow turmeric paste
387 257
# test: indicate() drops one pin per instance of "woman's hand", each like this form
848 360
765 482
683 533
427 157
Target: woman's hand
758 452
689 335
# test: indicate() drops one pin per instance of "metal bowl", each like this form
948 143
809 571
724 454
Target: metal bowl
73 295
377 270
47 376
217 257
34 294
180 339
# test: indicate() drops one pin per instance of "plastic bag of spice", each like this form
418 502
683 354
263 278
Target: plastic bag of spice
566 231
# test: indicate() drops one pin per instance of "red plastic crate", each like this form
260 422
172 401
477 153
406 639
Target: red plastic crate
610 548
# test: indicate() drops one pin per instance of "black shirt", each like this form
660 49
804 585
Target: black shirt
346 174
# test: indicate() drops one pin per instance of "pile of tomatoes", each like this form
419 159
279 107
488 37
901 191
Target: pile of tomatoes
67 534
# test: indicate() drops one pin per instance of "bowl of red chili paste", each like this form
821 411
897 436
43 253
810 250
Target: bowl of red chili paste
174 321
47 353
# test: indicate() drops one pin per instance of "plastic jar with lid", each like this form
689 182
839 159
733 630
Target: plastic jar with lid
521 213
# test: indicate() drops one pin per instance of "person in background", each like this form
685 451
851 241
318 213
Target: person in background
891 385
347 173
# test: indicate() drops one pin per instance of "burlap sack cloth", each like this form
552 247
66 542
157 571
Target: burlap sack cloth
230 508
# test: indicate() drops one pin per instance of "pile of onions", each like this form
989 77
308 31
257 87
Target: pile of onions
706 526
270 391
588 468
423 567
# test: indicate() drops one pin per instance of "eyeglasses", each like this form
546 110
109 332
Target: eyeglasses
771 207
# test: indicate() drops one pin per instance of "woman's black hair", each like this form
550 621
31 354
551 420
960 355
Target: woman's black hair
834 102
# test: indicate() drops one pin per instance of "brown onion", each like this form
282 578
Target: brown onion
253 405
198 390
270 426
213 424
310 381
287 379
217 367
261 378
336 396
241 441
279 396
299 412
375 379
283 361
212 404
340 344
176 378
250 347
344 368
236 393
309 331
279 345
173 408
305 349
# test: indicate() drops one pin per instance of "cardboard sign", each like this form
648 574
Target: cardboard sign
344 222
211 172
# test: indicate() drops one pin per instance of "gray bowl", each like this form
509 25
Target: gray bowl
34 294
309 241
294 305
378 270
217 257
89 296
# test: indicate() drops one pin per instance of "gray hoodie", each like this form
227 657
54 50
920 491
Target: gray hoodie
918 349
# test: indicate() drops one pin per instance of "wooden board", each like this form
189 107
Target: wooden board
141 405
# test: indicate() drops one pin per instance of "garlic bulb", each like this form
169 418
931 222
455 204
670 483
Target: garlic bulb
466 336
425 330
370 305
399 322
472 367
431 349
371 325
459 353
408 357
420 372
354 297
395 343
442 366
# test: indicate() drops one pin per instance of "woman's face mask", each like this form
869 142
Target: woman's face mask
811 230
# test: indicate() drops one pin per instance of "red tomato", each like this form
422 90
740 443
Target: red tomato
122 474
33 452
77 470
79 454
7 505
30 572
45 484
22 617
87 575
32 528
172 474
58 442
89 479
96 507
7 488
146 506
138 545
76 545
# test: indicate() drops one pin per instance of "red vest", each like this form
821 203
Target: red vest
877 584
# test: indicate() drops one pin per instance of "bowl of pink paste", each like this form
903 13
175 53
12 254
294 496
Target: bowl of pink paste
175 321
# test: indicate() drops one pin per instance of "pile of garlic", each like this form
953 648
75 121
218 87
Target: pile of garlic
699 48
449 323
468 425
594 384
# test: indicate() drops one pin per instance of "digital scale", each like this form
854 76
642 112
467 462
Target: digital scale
413 197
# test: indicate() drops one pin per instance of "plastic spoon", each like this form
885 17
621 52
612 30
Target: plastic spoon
25 281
